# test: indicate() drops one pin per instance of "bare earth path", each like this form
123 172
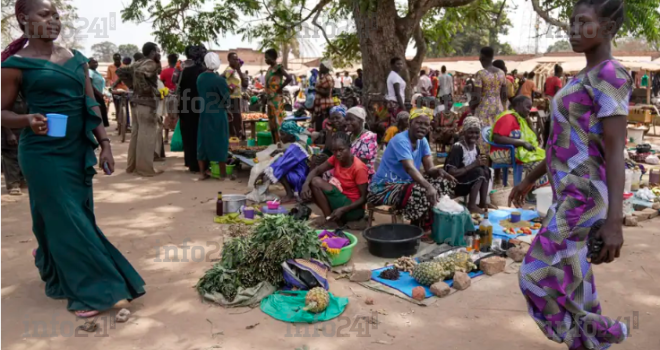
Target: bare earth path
141 216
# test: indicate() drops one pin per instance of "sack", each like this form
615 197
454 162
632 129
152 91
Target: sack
652 159
176 144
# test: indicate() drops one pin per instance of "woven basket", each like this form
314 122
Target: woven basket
500 197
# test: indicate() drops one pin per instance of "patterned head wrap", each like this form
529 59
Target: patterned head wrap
471 123
341 110
402 116
292 128
418 112
212 61
358 112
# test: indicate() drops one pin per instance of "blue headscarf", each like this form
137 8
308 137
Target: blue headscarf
292 128
313 78
341 110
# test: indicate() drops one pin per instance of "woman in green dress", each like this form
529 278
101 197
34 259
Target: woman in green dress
213 130
74 258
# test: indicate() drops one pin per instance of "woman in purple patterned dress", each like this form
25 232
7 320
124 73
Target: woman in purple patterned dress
586 168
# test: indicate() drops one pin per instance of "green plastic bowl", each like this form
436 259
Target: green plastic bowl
345 253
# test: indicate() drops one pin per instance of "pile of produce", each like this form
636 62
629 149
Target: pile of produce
233 218
437 270
390 274
254 116
248 260
247 151
527 230
405 263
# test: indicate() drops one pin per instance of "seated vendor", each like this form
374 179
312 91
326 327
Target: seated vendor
335 122
469 167
343 198
402 123
398 181
511 128
292 167
364 143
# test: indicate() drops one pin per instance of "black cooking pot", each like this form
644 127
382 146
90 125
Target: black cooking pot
644 148
393 240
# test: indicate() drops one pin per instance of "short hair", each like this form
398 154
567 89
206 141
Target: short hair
519 99
514 72
148 47
443 69
92 59
346 73
531 75
116 55
488 52
126 60
422 72
232 53
359 70
341 137
138 56
172 58
525 75
272 53
394 60
558 69
499 64
612 9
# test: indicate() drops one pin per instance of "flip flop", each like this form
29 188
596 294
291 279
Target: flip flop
86 313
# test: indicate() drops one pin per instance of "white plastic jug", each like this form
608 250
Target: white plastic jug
543 200
629 179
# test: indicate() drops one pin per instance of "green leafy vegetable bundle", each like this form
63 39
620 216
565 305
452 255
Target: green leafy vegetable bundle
246 261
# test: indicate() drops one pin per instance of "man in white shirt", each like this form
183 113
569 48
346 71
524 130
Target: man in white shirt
338 82
348 81
396 87
445 89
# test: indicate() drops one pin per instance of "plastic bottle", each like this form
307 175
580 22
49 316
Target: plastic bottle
487 228
219 210
476 243
469 239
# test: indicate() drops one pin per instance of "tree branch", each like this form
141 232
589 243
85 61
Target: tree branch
316 10
418 8
330 44
546 16
422 48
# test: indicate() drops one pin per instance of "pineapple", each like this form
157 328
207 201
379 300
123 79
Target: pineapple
463 262
429 272
316 300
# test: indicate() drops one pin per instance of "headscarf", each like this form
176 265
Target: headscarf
418 112
358 112
341 110
471 123
292 128
327 64
403 115
212 61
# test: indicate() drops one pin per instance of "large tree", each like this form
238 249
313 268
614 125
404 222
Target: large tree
128 50
103 51
642 17
560 46
382 29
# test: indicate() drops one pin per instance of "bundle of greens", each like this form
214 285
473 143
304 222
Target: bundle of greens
246 261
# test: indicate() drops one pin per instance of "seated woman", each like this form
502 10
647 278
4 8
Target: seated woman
335 122
511 128
364 143
343 199
292 167
402 123
469 167
398 181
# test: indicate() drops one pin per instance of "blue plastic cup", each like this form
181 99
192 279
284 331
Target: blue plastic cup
56 124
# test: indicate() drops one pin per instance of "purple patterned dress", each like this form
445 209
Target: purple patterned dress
555 277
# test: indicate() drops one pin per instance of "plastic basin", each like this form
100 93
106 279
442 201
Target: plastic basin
393 240
543 200
344 253
215 169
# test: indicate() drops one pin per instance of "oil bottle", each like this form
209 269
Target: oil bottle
219 210
486 229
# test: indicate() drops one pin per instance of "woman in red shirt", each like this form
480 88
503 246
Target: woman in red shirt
554 84
343 198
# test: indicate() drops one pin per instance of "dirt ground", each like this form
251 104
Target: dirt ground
143 216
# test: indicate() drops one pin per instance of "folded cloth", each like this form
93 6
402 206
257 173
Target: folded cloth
333 241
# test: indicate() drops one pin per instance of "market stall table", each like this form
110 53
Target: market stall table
251 123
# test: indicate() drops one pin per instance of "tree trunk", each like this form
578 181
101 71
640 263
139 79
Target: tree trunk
285 55
380 41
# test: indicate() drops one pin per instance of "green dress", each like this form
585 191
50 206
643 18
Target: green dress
74 258
213 130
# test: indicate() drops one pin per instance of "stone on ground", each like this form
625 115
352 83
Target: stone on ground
461 280
440 289
360 276
492 266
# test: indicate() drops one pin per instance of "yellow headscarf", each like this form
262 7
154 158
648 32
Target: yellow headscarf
418 112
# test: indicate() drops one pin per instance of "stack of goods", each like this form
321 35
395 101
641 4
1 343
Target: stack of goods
247 151
520 227
250 259
254 116
428 273
332 242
